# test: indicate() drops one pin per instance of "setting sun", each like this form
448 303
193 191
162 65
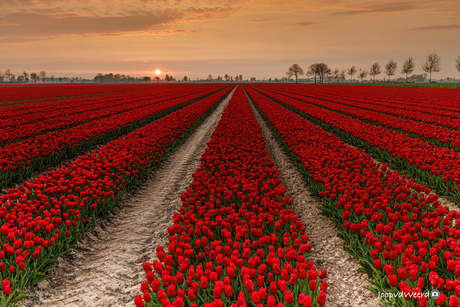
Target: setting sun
157 71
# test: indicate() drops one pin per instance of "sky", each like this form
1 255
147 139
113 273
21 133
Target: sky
194 38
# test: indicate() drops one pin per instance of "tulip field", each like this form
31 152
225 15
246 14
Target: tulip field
405 239
382 163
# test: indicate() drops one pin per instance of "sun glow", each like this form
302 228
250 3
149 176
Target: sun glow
157 71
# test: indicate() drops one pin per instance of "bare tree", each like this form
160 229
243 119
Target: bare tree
408 66
323 70
432 64
241 78
209 77
42 74
294 70
457 63
313 70
34 77
26 76
319 69
351 71
52 78
390 69
375 70
363 74
8 74
1 76
185 78
226 77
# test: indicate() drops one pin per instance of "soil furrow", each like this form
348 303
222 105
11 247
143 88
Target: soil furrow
346 285
106 269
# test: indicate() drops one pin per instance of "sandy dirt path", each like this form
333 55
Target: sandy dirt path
346 285
106 269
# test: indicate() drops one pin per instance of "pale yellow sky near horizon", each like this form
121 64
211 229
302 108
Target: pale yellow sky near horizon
249 37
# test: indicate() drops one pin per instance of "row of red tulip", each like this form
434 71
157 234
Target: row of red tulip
443 102
16 97
399 231
41 220
430 115
80 111
19 160
441 136
70 105
236 240
430 164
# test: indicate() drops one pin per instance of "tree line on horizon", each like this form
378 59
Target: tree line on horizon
24 77
111 78
105 78
321 70
318 70
121 78
42 76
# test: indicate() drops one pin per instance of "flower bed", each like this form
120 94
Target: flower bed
19 160
431 165
400 233
441 136
415 103
43 219
65 114
17 96
235 241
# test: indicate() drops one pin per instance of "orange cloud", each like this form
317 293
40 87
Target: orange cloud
304 24
41 23
382 8
437 27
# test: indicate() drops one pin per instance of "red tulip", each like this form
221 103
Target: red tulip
321 298
249 285
204 282
273 288
440 301
228 291
147 297
138 301
288 297
191 295
393 280
453 301
255 297
324 286
323 274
